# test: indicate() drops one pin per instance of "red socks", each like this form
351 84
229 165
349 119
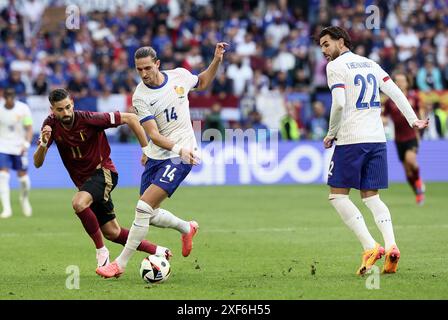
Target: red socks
144 246
413 178
90 223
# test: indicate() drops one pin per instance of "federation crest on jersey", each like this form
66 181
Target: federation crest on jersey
180 91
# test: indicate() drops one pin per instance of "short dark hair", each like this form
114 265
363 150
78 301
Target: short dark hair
9 91
145 52
58 95
336 33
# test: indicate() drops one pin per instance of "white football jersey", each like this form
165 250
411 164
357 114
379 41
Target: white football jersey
12 127
168 105
361 116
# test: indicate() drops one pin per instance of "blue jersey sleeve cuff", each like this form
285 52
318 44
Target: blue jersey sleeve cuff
337 85
146 119
197 84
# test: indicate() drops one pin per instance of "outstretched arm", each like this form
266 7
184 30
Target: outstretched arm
41 151
393 91
132 121
206 77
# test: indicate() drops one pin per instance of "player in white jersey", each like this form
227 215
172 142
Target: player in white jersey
16 133
360 160
161 103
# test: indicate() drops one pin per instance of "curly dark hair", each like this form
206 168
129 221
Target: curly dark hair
336 33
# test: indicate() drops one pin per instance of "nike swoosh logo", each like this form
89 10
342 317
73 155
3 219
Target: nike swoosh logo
153 103
161 180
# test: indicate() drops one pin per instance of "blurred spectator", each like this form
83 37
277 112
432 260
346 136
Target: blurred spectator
319 69
40 85
445 75
277 30
222 86
257 60
161 38
193 60
270 44
240 74
441 42
259 83
246 48
57 79
429 76
14 81
434 130
102 85
407 42
213 120
160 12
269 49
125 84
289 128
140 21
167 58
11 15
318 124
281 81
256 123
32 12
441 119
40 65
284 60
78 86
3 72
21 63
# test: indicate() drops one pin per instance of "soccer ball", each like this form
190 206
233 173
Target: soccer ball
155 269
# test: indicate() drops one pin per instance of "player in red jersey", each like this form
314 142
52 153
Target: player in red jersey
85 152
406 138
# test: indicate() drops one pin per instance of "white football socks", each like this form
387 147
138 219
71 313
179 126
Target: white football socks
4 192
103 249
143 214
353 218
165 219
382 218
25 186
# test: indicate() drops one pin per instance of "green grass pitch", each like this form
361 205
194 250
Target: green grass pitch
254 242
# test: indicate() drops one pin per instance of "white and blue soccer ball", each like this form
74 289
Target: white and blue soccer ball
155 269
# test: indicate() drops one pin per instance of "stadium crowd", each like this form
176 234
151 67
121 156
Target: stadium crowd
271 50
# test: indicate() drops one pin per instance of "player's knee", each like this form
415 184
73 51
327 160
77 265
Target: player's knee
143 213
21 174
4 175
111 233
79 205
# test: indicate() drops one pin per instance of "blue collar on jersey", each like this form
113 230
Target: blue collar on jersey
345 52
163 83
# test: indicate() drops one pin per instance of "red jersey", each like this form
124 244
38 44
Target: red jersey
85 145
403 132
